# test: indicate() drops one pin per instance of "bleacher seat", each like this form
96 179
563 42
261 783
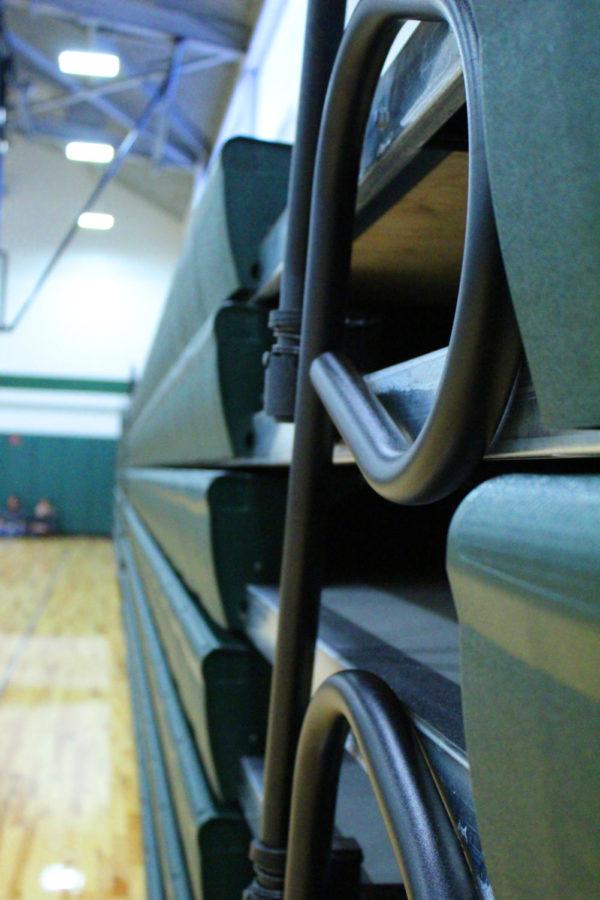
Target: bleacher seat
222 682
524 569
202 337
219 529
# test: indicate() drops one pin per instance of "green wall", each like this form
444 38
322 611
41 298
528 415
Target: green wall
75 474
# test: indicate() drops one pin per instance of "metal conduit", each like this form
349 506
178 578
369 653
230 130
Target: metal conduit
289 693
429 855
324 29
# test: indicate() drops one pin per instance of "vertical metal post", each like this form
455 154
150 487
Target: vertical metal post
324 28
301 579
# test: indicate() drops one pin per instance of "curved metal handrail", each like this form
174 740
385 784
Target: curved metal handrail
368 38
484 348
427 849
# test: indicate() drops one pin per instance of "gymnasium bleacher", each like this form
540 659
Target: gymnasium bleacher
320 621
196 523
199 517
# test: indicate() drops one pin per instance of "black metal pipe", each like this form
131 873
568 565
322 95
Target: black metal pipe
323 32
300 586
324 29
290 690
428 851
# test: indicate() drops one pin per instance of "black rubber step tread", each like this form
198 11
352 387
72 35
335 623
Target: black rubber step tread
431 700
418 619
430 696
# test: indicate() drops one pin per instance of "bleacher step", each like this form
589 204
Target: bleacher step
429 692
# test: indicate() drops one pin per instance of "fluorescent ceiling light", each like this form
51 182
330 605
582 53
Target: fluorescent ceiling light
96 220
87 151
85 62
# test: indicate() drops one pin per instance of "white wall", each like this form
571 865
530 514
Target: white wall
264 104
265 101
96 314
278 76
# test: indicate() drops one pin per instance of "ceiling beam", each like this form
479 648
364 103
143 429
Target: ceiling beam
187 132
134 17
49 70
64 131
117 86
168 101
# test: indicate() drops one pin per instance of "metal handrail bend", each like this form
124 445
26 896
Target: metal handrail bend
484 349
428 851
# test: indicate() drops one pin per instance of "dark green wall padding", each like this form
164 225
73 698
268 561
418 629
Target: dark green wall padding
75 474
243 336
524 567
223 683
215 839
220 530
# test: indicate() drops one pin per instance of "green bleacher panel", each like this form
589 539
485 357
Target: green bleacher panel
174 883
153 878
223 683
154 885
203 407
220 530
215 839
524 568
546 207
245 194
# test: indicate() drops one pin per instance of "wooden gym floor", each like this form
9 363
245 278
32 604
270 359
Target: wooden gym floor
69 808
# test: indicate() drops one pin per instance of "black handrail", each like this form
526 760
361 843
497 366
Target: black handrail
364 47
484 349
300 579
428 851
